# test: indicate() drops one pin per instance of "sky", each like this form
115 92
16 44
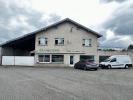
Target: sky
111 18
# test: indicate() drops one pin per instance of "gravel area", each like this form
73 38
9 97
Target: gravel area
27 83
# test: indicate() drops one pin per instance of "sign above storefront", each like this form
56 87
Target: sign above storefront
58 51
48 51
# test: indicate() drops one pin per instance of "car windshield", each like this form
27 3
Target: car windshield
107 60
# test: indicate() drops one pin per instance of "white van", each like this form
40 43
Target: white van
117 61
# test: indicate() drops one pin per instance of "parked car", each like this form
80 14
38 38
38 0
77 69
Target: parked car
86 65
117 61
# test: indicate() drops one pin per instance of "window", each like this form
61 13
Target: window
40 58
113 60
87 42
51 58
59 41
87 57
44 58
58 58
42 41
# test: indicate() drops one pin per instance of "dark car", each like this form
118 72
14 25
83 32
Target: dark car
86 65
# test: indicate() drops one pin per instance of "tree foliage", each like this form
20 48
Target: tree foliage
130 47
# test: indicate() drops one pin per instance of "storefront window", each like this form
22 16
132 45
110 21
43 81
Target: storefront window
87 57
40 58
44 58
58 58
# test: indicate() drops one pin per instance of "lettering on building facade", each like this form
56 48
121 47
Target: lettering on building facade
57 51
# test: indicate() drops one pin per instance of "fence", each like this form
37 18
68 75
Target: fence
18 60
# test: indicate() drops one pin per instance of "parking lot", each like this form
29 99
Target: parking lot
27 83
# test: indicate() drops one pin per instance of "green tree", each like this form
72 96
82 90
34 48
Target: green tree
130 47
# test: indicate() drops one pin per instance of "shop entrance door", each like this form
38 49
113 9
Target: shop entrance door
71 60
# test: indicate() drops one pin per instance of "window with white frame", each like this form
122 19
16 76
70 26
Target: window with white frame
87 42
42 41
87 57
58 58
48 58
44 58
59 41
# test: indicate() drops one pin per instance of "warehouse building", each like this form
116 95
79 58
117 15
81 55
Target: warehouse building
60 44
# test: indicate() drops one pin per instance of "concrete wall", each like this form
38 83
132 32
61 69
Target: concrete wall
73 39
110 53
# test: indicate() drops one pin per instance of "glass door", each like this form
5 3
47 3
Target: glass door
71 60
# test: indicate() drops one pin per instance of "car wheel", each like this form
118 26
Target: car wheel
102 67
95 69
85 68
126 66
75 67
109 67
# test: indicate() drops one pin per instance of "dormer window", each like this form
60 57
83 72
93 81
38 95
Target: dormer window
42 41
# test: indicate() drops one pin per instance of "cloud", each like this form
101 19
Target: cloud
110 39
120 24
18 18
121 21
108 1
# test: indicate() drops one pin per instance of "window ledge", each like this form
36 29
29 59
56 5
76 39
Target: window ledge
87 46
51 62
59 45
57 62
44 62
42 45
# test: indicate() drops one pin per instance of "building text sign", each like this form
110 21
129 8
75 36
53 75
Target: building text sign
48 51
57 51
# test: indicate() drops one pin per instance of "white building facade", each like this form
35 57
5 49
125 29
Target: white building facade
61 44
65 43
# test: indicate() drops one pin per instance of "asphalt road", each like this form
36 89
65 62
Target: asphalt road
65 84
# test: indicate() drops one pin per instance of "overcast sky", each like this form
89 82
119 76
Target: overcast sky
111 18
